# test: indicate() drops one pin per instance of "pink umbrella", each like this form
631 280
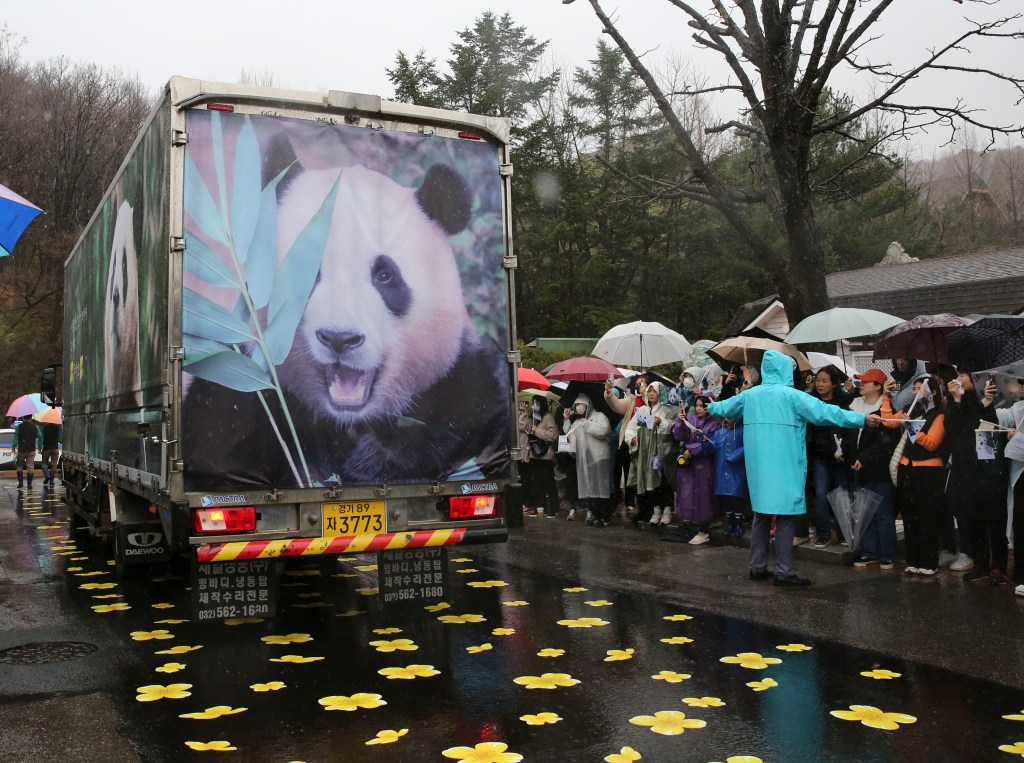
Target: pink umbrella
583 369
50 416
530 379
26 405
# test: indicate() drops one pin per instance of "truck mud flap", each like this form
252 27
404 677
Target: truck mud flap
346 544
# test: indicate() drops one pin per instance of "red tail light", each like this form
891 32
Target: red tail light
470 506
220 107
224 519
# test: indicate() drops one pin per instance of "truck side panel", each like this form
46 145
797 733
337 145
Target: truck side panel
345 316
116 316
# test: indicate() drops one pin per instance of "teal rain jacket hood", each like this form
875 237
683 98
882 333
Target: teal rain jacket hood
775 418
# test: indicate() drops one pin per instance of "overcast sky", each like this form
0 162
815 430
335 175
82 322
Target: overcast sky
345 45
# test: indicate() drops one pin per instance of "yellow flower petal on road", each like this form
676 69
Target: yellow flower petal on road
576 589
763 685
159 633
478 649
503 632
548 652
170 622
540 719
703 702
625 755
108 596
883 674
546 681
583 622
670 676
79 558
409 672
516 603
180 649
438 607
368 591
388 736
97 586
154 692
483 752
668 722
1017 748
794 648
295 658
288 638
366 567
598 603
676 640
94 573
486 583
217 746
751 660
395 645
351 613
1014 717
676 618
456 619
170 667
467 570
873 717
743 759
614 655
214 712
354 702
162 605
269 686
387 631
462 560
118 607
74 569
242 620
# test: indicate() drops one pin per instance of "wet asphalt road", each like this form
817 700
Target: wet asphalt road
559 599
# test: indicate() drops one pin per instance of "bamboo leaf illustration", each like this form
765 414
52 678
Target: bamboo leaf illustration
262 258
245 192
200 204
197 347
295 279
230 369
202 261
211 321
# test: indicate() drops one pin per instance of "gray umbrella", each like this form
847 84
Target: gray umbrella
854 509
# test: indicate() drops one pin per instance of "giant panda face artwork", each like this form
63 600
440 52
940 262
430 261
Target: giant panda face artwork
386 317
121 318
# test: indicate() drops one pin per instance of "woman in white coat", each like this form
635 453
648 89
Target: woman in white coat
590 433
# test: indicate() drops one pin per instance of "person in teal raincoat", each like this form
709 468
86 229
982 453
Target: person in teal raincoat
775 418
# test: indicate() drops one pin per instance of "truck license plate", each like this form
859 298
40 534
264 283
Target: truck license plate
353 517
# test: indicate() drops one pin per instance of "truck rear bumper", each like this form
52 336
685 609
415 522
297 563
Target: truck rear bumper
347 544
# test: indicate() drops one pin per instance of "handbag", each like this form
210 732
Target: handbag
894 462
564 446
538 447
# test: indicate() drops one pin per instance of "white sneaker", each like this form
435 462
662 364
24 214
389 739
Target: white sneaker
572 515
910 571
656 516
666 516
1019 590
699 539
926 572
946 558
961 563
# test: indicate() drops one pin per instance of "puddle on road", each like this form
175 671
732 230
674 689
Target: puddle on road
547 669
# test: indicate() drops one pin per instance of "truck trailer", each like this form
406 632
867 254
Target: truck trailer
289 331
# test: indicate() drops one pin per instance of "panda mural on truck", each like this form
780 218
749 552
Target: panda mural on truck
342 351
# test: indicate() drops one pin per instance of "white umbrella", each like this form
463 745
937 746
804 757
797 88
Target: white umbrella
821 359
642 343
841 323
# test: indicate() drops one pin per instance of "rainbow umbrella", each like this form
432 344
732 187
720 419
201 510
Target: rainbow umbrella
27 405
50 416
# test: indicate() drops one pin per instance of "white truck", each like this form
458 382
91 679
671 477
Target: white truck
289 330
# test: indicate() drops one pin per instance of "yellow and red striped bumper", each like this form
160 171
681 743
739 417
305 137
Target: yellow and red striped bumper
351 544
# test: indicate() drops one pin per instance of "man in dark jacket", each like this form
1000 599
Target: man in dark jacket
868 452
51 451
28 438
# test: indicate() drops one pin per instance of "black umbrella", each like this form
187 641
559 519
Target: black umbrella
758 333
593 390
995 340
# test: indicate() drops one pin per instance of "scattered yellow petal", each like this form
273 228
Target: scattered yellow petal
159 633
668 722
354 702
366 567
1014 717
462 560
410 671
670 676
74 569
676 640
438 607
170 667
577 589
478 649
162 605
486 583
548 652
1017 748
794 648
368 591
214 712
269 686
614 655
97 586
170 622
218 746
387 631
598 603
583 622
873 717
94 573
703 702
118 607
743 759
154 692
546 681
295 658
516 603
540 719
503 632
288 638
344 575
763 685
883 674
388 736
180 649
751 660
454 619
483 752
625 755
108 596
351 613
395 645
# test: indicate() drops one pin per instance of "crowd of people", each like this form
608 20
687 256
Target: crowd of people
766 447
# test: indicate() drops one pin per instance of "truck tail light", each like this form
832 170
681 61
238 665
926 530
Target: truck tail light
220 107
224 519
471 506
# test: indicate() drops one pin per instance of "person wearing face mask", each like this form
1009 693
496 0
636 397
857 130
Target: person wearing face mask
589 433
541 434
686 391
649 435
695 475
827 460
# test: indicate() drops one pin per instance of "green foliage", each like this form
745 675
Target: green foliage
533 357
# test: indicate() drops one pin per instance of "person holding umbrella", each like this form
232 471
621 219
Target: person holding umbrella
775 418
51 450
28 438
652 471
